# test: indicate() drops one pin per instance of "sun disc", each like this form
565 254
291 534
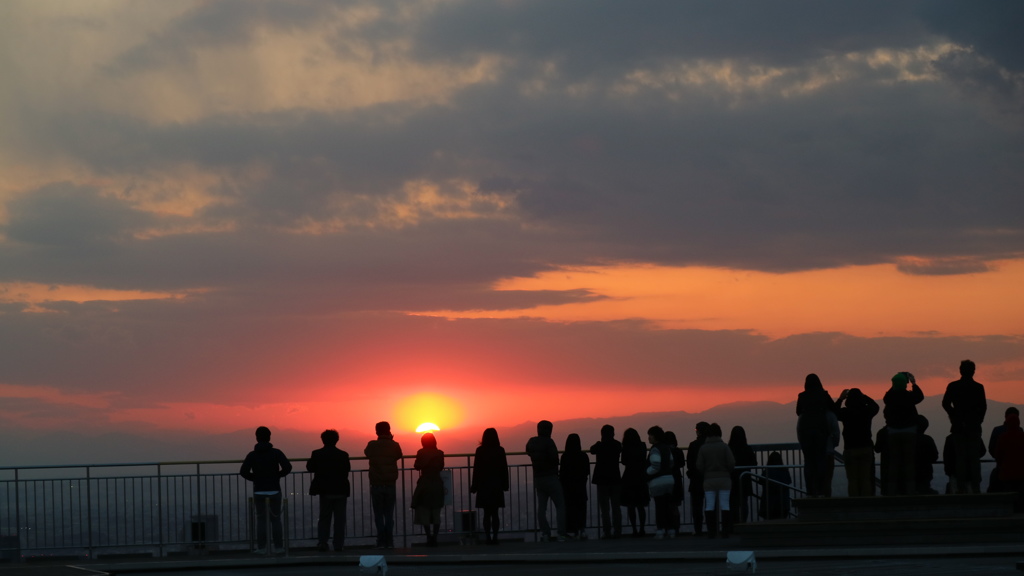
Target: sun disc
427 427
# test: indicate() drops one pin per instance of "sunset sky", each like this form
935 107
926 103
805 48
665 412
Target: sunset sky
222 214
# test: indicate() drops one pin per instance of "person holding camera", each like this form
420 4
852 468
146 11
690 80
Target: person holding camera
900 454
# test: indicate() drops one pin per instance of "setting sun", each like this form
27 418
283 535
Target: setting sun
427 427
427 409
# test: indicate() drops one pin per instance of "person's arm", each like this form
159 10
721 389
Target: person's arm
654 462
311 464
504 474
246 470
286 466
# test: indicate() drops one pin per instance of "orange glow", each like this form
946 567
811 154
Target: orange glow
858 300
34 293
412 410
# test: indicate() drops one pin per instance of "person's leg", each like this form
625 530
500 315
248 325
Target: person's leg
616 500
378 504
390 497
323 524
262 506
543 491
710 517
275 520
558 500
697 511
340 507
604 504
724 498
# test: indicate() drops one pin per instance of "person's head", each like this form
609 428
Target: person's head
738 436
490 438
775 459
922 423
573 443
428 440
967 368
1012 421
900 381
383 429
1012 410
714 430
670 438
812 383
607 432
701 429
655 435
329 437
631 437
544 428
263 434
854 397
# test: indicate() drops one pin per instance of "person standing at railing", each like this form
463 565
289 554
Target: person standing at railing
544 457
608 480
383 455
814 434
858 449
965 403
678 463
635 494
428 498
742 486
264 467
490 481
330 467
899 455
573 473
696 488
660 481
716 462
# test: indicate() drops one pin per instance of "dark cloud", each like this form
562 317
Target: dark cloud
990 28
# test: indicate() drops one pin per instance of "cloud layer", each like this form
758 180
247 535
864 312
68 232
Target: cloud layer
294 178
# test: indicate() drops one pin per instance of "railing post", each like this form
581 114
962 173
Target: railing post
88 508
160 509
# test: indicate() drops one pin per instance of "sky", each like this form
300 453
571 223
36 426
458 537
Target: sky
305 214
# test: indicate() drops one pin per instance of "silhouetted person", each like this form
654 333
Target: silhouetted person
264 467
1009 455
858 449
608 481
635 494
544 456
900 412
660 482
965 403
573 473
490 481
330 467
696 487
742 485
716 463
678 463
993 480
428 497
949 462
814 433
775 497
927 455
382 456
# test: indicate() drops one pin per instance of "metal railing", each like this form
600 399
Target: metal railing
180 508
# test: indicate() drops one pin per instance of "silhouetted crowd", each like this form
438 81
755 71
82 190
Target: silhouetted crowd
718 476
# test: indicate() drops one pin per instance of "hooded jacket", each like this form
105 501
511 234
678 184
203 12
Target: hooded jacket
264 467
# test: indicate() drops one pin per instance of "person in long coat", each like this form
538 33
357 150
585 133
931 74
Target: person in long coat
428 497
716 462
635 494
608 480
490 481
573 473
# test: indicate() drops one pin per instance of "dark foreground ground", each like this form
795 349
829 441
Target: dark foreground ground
687 555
